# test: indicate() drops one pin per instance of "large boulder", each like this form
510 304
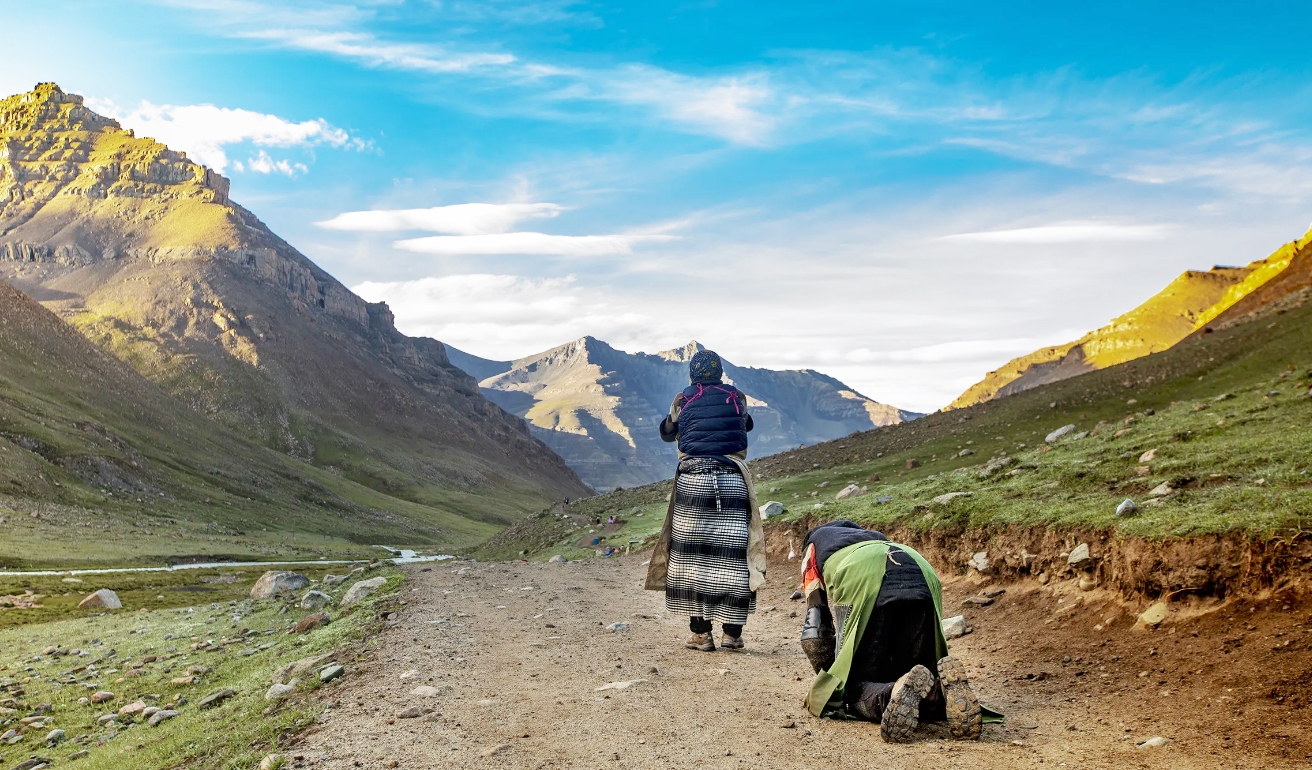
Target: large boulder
315 600
771 509
955 627
104 598
1080 557
273 583
851 490
362 589
1059 434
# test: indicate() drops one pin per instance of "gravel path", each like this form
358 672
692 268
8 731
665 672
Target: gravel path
516 659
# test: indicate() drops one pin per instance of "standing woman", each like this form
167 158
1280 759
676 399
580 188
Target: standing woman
710 555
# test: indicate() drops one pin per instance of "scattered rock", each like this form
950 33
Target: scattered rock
161 716
215 698
851 490
617 627
955 627
104 598
133 709
1059 434
298 668
1148 456
1080 558
1043 578
1162 490
75 756
1126 508
980 562
949 497
55 737
1154 615
410 712
274 583
1088 583
495 750
102 696
796 596
273 762
557 559
362 589
995 465
332 580
331 672
874 477
1155 742
32 763
772 509
912 463
279 691
311 622
993 592
426 691
976 601
315 600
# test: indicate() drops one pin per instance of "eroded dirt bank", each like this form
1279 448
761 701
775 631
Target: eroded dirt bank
515 654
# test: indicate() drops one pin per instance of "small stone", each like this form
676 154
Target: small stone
311 622
332 580
1043 578
273 583
55 737
993 592
1059 434
796 596
1126 508
1088 583
1155 742
617 627
1154 615
411 674
102 696
1080 558
426 691
955 627
362 589
495 750
1162 490
279 691
315 600
273 762
912 463
104 599
75 756
849 491
980 562
949 497
149 711
215 698
105 719
410 712
331 672
133 709
183 681
32 764
623 685
976 601
161 716
1148 456
557 559
772 509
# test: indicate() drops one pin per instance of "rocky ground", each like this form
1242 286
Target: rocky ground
523 665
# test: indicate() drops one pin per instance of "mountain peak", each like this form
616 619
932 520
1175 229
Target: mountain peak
684 353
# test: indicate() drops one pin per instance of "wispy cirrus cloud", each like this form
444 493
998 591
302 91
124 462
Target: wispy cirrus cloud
457 219
374 52
529 243
205 131
1066 232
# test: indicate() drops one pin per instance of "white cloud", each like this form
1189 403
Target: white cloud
459 219
1067 232
379 53
263 164
733 107
530 243
203 131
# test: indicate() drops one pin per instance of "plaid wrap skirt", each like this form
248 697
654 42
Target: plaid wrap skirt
707 575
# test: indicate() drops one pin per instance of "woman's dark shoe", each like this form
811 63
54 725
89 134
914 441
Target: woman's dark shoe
902 714
704 642
965 720
731 642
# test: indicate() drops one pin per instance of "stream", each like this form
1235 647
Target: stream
399 556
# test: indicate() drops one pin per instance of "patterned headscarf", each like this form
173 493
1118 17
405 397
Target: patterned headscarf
705 366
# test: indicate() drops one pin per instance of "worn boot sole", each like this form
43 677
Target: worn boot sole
732 643
964 717
902 715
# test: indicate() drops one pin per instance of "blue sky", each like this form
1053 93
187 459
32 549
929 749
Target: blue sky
901 195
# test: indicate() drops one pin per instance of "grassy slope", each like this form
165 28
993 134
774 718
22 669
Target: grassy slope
235 735
1241 464
116 471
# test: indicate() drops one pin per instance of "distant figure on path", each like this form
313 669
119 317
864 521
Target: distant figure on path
873 633
710 555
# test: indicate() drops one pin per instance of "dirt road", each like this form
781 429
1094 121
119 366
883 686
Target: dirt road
517 656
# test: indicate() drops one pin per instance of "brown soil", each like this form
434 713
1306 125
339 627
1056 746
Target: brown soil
524 649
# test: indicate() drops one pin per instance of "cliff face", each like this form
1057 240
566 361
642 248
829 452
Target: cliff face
600 407
1192 303
142 251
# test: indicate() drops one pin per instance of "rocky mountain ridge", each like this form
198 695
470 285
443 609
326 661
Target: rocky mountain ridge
143 252
599 407
1194 303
